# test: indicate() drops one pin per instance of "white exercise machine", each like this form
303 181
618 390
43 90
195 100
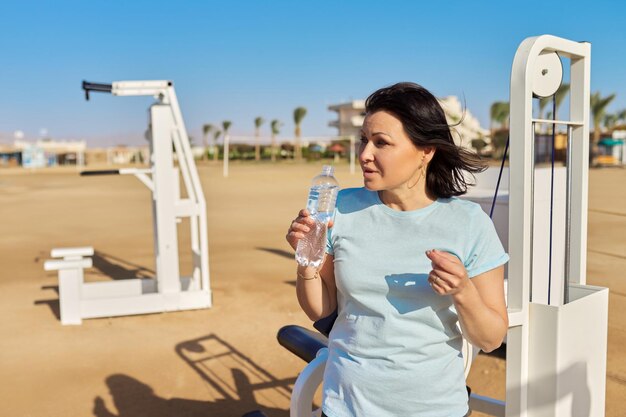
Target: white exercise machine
170 291
557 339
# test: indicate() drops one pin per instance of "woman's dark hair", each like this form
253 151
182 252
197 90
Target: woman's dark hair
425 123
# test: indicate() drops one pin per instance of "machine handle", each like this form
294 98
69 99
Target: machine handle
101 172
99 87
302 342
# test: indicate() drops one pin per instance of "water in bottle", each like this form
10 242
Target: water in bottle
321 206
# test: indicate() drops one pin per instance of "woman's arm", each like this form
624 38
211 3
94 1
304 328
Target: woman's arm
482 310
317 296
316 290
479 301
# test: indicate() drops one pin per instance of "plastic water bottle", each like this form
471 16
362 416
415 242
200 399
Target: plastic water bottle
321 206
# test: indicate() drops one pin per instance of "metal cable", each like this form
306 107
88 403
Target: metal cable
495 195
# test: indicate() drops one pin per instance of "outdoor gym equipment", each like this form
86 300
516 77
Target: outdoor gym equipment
169 291
556 343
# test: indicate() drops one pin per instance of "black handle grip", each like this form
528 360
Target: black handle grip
302 342
98 87
101 172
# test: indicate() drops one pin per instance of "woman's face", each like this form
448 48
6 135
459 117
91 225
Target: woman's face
388 158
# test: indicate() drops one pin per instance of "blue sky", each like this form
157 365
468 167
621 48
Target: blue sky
236 60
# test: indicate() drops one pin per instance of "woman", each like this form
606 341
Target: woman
406 261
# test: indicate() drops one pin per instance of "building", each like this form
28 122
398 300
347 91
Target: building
465 127
10 156
48 152
118 155
614 148
349 117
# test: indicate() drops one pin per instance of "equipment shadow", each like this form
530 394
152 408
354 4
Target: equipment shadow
52 303
234 378
117 268
284 254
279 252
133 398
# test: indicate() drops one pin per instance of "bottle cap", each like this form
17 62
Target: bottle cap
328 170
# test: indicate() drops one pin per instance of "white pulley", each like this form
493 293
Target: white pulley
547 74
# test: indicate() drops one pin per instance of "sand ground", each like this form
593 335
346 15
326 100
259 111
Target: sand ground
223 361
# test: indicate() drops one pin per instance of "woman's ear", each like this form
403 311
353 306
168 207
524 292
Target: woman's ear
429 152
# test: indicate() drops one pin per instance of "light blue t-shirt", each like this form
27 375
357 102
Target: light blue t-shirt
395 349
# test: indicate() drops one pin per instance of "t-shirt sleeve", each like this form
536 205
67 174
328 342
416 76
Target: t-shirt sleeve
486 251
329 242
329 234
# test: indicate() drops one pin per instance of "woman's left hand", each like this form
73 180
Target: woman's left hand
448 276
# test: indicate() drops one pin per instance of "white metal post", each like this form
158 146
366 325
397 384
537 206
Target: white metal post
196 195
70 282
167 272
580 74
520 226
71 277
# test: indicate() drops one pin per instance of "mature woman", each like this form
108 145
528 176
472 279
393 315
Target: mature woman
406 262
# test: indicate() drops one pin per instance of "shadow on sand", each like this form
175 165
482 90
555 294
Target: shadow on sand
235 384
117 268
235 378
279 252
52 303
133 398
284 254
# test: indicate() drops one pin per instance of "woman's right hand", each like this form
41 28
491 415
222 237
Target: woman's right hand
299 228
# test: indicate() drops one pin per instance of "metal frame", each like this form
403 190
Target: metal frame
169 142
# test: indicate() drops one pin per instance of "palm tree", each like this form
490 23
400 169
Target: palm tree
275 131
499 113
257 132
298 115
610 120
206 129
621 116
225 126
543 102
598 105
558 98
216 135
560 95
